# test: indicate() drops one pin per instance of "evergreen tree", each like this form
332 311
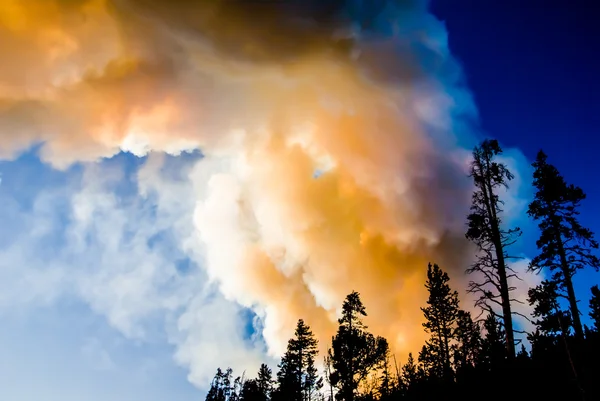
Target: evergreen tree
493 347
387 383
216 391
223 388
468 343
486 231
564 244
551 320
354 353
264 381
258 389
297 376
251 392
440 318
409 372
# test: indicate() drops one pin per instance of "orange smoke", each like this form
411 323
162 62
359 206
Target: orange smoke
91 78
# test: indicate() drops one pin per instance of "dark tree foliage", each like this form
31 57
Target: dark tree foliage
251 392
551 321
468 344
354 353
485 229
493 346
264 381
440 318
386 383
409 372
557 368
258 389
297 377
224 387
564 244
595 308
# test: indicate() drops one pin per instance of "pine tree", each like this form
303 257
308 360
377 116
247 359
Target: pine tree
387 383
485 230
251 392
595 308
354 353
493 347
468 342
258 389
217 390
564 244
223 388
551 320
264 381
409 372
440 318
297 376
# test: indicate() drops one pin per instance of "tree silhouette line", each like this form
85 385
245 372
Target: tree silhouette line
464 357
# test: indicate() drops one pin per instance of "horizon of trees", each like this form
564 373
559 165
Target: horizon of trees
464 356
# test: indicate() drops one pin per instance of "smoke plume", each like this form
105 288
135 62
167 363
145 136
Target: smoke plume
330 163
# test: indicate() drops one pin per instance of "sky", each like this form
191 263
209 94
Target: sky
533 72
125 277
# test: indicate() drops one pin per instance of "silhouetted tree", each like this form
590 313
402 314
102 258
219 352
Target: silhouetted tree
354 353
551 320
258 389
251 392
493 346
468 343
264 381
409 371
486 231
297 376
222 387
386 383
440 317
216 391
564 244
595 307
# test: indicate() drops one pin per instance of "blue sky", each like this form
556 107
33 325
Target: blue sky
533 69
92 316
101 297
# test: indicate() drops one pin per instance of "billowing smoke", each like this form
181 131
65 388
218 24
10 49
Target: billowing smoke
330 162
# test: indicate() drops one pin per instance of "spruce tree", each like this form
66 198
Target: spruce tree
485 229
251 392
564 244
217 387
258 389
493 346
468 343
387 382
354 353
440 318
409 372
223 387
264 381
551 320
297 377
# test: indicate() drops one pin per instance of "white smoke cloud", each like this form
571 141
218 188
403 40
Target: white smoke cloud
386 123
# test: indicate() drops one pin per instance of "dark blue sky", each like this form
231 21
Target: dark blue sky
533 67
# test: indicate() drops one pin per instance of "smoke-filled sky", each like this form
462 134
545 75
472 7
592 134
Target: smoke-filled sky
183 180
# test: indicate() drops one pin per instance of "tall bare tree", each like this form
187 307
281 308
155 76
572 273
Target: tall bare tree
485 229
